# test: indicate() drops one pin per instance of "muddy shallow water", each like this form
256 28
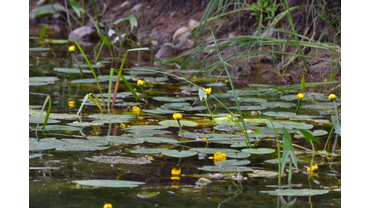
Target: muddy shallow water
51 175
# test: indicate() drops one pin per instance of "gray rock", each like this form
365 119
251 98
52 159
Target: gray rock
167 50
83 33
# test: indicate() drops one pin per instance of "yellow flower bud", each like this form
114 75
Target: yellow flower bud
314 167
177 116
136 110
208 91
140 82
300 96
332 97
108 205
72 49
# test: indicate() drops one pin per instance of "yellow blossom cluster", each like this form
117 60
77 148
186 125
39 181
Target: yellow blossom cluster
136 110
218 156
175 173
314 167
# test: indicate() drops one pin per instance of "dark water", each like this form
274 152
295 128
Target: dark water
54 187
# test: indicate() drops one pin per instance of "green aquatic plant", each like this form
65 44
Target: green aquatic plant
203 95
310 139
178 117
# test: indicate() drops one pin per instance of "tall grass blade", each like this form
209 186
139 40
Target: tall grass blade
288 150
92 69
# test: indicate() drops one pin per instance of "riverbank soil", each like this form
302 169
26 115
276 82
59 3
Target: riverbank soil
173 23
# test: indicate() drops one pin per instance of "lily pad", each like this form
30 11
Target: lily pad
176 153
228 163
278 104
214 150
118 160
251 100
81 145
148 131
320 106
112 118
251 108
60 128
169 99
109 183
44 144
147 194
159 140
218 84
85 124
155 79
149 127
174 105
225 169
217 115
72 70
279 114
289 125
174 123
258 151
263 174
116 139
34 156
37 81
296 192
161 111
35 119
149 151
237 155
193 108
315 133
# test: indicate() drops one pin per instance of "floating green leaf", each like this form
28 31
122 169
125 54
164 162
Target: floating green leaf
259 151
195 108
85 124
244 108
279 114
337 124
169 99
213 150
320 106
228 163
118 160
173 123
159 140
278 104
263 174
237 155
125 139
37 81
61 128
109 183
44 144
296 192
176 153
289 125
81 145
225 169
314 133
147 194
34 156
161 111
72 70
149 151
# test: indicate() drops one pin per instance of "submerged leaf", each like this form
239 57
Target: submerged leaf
118 160
296 192
109 183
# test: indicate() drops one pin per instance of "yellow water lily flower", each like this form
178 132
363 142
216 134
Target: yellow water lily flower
206 140
176 171
108 205
123 126
140 82
136 110
72 49
300 96
208 91
148 157
332 97
177 116
218 156
314 167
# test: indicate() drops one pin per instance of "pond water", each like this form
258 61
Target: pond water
99 147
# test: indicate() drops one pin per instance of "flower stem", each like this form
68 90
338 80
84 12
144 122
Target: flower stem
142 89
182 134
313 155
209 110
336 110
299 105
